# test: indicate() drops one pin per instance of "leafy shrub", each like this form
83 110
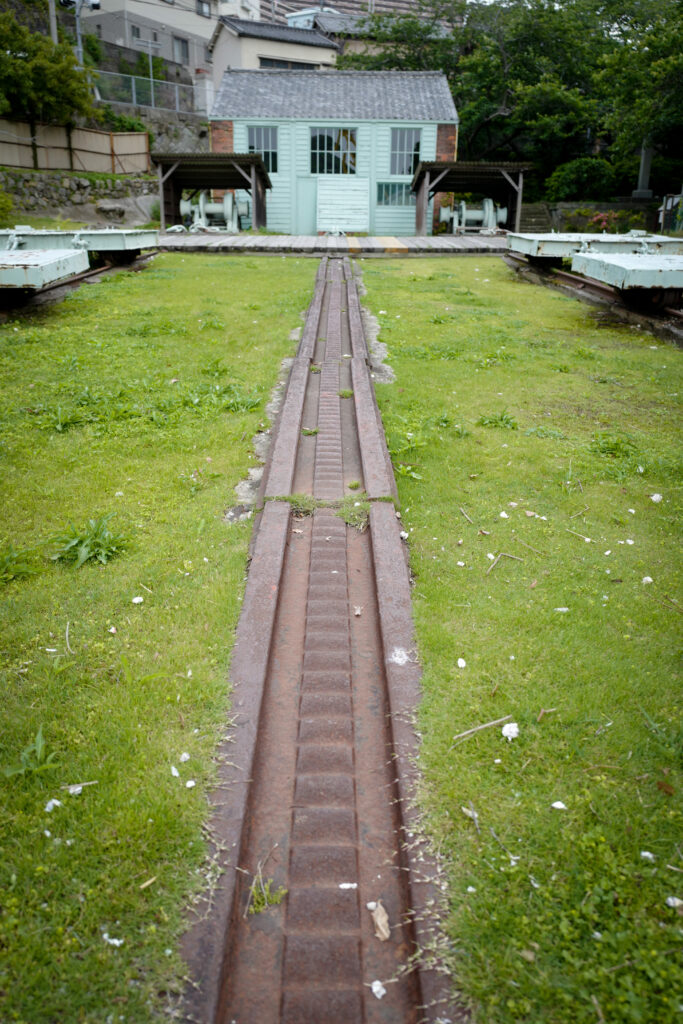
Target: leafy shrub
14 565
588 177
502 420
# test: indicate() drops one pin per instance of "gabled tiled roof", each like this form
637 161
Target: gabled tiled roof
279 33
357 95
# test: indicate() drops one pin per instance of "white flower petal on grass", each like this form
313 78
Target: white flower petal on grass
490 556
138 600
112 629
378 989
112 942
674 902
559 806
461 564
47 833
562 609
498 760
184 757
632 511
656 498
190 784
646 855
462 663
51 804
629 541
504 515
510 731
174 772
470 888
647 579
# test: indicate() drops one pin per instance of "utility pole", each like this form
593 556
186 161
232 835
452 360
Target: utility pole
53 22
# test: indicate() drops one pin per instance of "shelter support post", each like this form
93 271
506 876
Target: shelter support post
421 206
258 200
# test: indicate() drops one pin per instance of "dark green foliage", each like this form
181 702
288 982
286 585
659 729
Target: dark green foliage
585 176
541 81
39 82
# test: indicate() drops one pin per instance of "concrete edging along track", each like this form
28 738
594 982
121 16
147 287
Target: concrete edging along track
321 797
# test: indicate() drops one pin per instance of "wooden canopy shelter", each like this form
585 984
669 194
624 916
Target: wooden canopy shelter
199 171
502 182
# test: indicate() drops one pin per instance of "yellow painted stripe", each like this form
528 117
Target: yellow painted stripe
391 244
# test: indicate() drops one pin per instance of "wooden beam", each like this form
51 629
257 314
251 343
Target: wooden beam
249 179
258 200
432 187
421 204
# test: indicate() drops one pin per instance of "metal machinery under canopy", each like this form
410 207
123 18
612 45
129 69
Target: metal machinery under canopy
502 183
197 172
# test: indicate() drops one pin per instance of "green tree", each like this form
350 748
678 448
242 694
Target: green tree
39 82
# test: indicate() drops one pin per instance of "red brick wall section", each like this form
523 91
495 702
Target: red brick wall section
222 137
446 149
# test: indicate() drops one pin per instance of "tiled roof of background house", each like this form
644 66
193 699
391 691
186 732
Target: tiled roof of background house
359 95
281 33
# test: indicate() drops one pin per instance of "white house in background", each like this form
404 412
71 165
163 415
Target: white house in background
239 43
176 30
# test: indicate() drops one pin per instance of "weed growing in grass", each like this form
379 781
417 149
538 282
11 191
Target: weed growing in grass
549 432
503 420
15 565
33 759
302 504
309 431
94 542
613 444
345 393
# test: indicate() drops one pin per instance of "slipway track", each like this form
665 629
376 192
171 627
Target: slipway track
318 777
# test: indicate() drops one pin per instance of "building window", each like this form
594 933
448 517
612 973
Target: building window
181 50
154 37
288 65
405 150
263 140
135 31
204 8
333 150
393 193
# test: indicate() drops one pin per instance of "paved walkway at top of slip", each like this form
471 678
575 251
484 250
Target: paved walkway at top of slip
336 245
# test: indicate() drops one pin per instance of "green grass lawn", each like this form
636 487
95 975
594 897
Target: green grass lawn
523 425
136 398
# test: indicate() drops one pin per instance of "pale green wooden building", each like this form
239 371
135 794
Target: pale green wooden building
340 147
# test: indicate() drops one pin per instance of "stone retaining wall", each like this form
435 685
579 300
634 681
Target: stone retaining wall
98 200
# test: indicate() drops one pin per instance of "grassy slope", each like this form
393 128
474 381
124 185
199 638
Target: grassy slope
92 424
557 917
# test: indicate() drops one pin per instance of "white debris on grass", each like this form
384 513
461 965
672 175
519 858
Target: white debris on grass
184 757
470 888
647 579
462 663
110 941
510 731
674 902
504 515
646 855
190 784
51 804
656 498
138 600
559 806
174 772
562 610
